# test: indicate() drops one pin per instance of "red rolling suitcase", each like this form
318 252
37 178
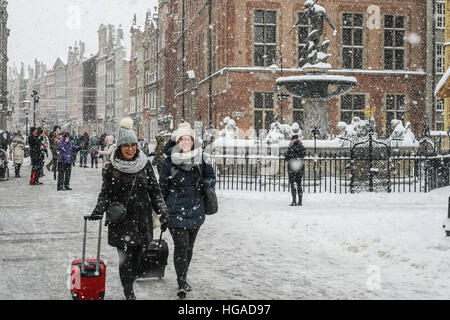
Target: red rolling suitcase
88 276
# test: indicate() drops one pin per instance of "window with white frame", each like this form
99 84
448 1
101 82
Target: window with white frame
298 111
264 110
395 109
439 115
352 105
440 56
352 41
303 30
394 43
440 14
265 30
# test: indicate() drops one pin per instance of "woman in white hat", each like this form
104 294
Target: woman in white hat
180 178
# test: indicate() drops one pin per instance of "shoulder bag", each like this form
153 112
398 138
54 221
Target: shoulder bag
117 211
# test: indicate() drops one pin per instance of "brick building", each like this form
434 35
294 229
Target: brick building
4 34
221 64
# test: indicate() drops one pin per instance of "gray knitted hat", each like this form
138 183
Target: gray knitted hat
126 133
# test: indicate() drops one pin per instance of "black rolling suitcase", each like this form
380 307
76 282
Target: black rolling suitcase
154 260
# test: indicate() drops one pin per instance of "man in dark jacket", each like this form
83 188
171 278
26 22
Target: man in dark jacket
296 166
35 142
83 143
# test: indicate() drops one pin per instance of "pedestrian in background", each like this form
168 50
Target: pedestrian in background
53 148
35 142
75 141
181 177
129 178
44 148
66 153
94 147
83 143
296 165
108 150
17 152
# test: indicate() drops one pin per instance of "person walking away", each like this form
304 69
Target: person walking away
94 149
84 149
35 142
108 150
180 178
17 152
66 152
129 178
296 165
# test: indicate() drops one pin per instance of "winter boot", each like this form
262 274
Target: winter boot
181 287
294 195
129 292
300 196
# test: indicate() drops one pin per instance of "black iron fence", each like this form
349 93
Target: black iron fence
337 172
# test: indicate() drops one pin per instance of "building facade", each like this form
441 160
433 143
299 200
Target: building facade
4 34
219 54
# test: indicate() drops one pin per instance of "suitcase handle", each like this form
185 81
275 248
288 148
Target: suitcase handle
83 256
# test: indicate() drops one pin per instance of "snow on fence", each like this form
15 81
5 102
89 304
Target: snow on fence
335 172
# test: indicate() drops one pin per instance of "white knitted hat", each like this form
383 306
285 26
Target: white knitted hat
126 133
184 129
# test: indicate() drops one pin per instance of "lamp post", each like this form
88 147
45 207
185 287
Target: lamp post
26 110
281 96
35 97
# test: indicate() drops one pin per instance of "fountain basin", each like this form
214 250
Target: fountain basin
317 86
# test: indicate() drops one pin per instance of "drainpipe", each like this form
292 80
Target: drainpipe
210 102
183 53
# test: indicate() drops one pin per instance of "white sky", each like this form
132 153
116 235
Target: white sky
44 29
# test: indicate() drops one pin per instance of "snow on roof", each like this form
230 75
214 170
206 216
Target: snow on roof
315 77
442 81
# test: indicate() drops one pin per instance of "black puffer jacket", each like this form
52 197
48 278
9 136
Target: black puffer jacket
137 229
182 191
35 143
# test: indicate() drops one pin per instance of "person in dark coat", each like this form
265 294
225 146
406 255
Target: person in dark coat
296 165
83 143
66 152
75 140
180 178
35 142
129 178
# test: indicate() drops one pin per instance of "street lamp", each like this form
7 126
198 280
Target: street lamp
35 97
281 96
26 110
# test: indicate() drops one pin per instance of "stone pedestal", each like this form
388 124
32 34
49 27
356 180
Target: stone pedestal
316 114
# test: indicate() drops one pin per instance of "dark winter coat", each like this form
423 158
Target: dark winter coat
137 229
35 143
66 151
294 156
182 193
83 143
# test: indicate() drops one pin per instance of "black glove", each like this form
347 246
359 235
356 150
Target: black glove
164 220
95 215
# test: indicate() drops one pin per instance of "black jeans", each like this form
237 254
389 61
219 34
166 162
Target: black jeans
64 173
129 260
184 246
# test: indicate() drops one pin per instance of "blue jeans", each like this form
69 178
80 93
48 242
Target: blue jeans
83 158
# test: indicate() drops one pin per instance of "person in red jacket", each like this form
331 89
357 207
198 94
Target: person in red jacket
296 165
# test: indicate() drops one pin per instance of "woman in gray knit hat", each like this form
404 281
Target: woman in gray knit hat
129 178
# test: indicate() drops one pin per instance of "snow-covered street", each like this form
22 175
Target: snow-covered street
337 246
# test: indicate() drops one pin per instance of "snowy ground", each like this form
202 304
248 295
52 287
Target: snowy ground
337 246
